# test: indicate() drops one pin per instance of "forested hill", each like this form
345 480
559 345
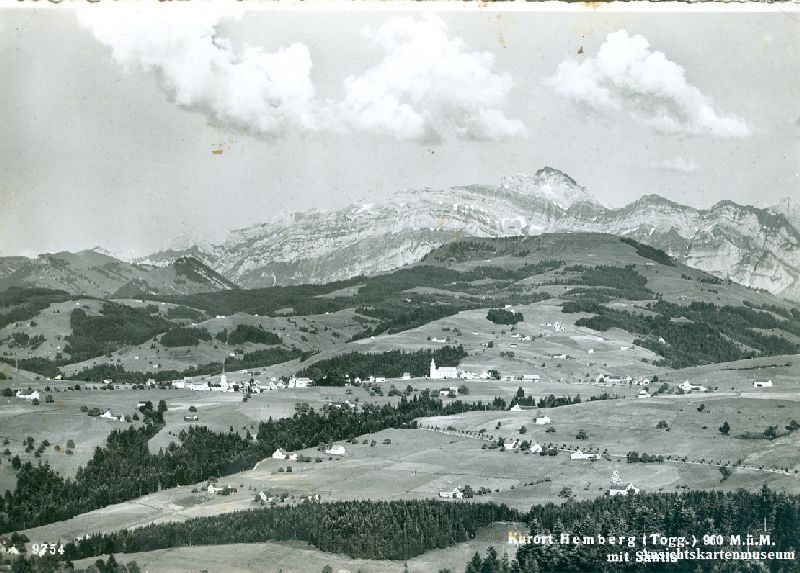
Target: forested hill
602 282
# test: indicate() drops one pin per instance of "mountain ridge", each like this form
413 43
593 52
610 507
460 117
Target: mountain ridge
755 246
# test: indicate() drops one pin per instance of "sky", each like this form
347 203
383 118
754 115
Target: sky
134 129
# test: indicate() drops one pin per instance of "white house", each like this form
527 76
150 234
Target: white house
179 384
335 451
515 408
536 448
198 385
533 377
767 384
442 372
686 386
108 415
444 392
467 375
619 490
214 488
406 376
579 455
380 379
454 494
33 395
643 394
264 497
279 454
541 420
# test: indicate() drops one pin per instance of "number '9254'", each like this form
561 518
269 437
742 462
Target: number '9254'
47 549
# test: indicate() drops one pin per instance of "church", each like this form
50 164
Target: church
443 372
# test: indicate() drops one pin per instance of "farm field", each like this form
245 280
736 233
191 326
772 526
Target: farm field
421 463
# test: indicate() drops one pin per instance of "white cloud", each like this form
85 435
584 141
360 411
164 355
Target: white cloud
428 85
628 76
678 164
250 89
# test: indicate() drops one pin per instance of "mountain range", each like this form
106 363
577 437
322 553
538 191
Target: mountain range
753 246
757 247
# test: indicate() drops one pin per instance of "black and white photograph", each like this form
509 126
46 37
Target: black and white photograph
399 287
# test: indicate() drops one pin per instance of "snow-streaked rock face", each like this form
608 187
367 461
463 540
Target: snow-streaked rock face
752 246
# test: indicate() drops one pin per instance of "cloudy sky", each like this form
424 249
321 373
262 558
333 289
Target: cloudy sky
133 129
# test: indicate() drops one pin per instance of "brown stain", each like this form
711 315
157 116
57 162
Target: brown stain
593 5
216 151
501 39
580 51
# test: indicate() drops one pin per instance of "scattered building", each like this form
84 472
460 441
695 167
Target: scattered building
515 408
643 394
192 418
108 415
619 490
28 394
767 384
579 455
541 420
335 451
456 493
536 448
406 376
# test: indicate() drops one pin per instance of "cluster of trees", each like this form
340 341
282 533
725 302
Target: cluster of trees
360 529
179 312
551 401
712 334
118 325
185 336
333 371
619 282
503 316
19 304
125 469
265 357
649 252
57 564
119 375
635 457
255 334
671 514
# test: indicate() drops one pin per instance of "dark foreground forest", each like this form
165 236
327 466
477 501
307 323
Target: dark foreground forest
400 530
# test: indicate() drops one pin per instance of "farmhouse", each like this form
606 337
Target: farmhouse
541 420
767 384
686 386
179 384
279 454
619 490
214 488
28 394
264 497
643 394
301 382
108 415
533 377
456 493
198 385
193 418
536 448
579 455
406 376
515 408
335 451
442 372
